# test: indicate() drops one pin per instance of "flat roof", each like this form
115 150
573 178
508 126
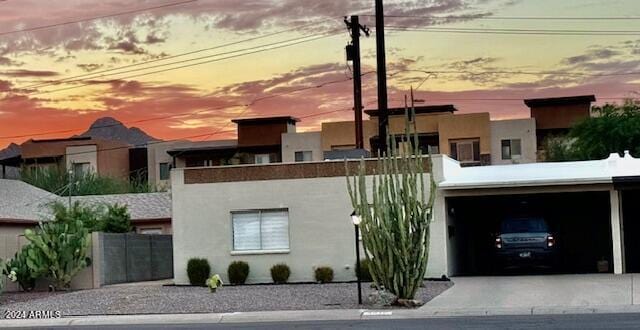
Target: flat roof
446 108
537 174
76 138
566 100
266 120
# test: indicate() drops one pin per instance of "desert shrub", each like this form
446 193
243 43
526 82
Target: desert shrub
365 276
324 274
17 270
59 250
238 272
115 219
57 179
198 271
280 273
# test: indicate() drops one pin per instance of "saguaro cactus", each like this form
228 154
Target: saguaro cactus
396 219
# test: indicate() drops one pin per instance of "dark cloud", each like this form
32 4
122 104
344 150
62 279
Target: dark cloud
5 61
90 67
592 55
28 73
5 86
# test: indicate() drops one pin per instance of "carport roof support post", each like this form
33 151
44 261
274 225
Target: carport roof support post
616 232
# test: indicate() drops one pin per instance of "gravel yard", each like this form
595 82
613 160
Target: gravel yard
153 298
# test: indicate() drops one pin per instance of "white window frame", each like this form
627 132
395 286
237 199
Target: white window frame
471 143
235 251
304 153
85 168
151 231
160 171
512 155
262 157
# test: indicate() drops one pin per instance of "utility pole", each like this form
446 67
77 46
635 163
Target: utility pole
353 54
383 112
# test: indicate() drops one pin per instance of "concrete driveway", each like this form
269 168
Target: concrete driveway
539 291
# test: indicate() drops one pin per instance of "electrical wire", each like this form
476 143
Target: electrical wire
292 42
247 105
75 21
94 73
489 31
475 17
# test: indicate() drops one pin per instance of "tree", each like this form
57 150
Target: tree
89 215
395 221
116 219
612 128
108 218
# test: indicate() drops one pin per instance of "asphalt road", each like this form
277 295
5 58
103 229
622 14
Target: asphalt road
583 321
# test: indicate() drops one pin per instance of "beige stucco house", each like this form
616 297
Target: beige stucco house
298 214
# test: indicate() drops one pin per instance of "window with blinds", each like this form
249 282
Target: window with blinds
261 230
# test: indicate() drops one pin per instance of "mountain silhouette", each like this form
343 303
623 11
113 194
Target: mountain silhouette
109 128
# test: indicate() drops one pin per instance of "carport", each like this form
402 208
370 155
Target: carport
629 190
580 222
578 200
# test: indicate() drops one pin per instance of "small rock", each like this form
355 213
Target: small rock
410 303
382 298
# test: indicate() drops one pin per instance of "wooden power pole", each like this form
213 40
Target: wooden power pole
383 111
353 54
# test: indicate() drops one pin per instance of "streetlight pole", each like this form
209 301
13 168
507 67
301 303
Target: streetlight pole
358 264
356 219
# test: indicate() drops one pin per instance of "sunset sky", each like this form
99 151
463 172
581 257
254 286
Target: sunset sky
60 79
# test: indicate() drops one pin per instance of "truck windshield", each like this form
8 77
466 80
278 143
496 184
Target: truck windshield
524 225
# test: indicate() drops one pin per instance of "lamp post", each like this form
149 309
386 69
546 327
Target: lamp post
357 219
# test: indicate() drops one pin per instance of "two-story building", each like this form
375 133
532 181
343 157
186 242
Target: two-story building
81 155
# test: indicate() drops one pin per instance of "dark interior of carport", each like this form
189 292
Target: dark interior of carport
580 222
631 228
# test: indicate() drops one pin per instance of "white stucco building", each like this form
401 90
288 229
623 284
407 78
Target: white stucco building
299 214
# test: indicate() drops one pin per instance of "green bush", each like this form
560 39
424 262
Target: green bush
238 272
365 275
116 219
198 271
56 180
17 270
324 274
280 273
89 215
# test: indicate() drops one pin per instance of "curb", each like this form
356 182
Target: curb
312 315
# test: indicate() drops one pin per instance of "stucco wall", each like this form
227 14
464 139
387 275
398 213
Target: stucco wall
523 129
82 154
560 116
320 231
310 141
344 134
465 126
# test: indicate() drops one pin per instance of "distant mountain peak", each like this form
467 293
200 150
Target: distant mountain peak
10 151
109 128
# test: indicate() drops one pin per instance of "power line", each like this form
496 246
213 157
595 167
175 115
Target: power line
537 73
292 42
507 99
42 27
247 105
515 31
72 78
428 72
476 17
